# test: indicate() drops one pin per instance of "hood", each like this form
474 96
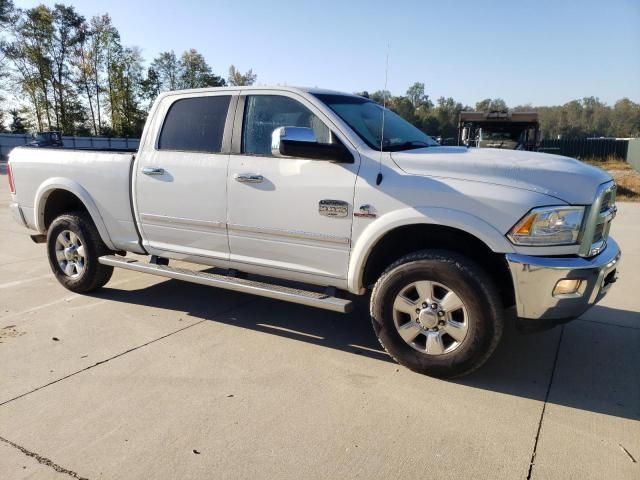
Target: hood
569 180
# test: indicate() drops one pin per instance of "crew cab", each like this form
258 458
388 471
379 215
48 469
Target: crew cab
326 196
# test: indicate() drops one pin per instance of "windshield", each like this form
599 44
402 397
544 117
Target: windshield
501 134
365 118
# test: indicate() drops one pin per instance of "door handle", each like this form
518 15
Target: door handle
153 171
248 178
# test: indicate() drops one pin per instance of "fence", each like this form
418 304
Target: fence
10 140
587 147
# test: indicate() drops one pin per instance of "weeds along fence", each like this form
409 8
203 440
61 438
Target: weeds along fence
587 148
10 140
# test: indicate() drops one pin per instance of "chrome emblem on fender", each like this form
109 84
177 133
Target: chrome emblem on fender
333 208
366 211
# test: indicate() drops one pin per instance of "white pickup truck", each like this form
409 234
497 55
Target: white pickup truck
325 196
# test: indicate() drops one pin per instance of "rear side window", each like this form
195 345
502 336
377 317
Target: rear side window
195 124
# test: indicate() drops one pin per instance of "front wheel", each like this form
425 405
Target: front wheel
74 246
437 313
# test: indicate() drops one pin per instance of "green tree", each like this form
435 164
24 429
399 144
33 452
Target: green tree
67 34
492 105
196 73
85 74
417 97
18 123
6 11
238 79
166 68
625 119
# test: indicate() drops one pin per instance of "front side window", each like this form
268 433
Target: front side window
264 113
365 118
195 124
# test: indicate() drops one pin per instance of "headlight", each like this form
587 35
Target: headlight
548 226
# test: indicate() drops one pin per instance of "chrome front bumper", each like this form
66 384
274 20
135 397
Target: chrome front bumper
535 279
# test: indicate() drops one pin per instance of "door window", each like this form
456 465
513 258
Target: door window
264 113
195 124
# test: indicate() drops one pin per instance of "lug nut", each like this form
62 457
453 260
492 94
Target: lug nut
424 305
417 310
434 306
441 322
441 313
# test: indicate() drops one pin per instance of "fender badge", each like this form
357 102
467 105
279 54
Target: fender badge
366 211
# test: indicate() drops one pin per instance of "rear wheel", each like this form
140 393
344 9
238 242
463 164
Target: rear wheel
74 246
437 313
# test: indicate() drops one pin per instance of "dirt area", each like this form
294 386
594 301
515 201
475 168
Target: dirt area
626 177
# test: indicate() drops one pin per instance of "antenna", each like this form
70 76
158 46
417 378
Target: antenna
384 107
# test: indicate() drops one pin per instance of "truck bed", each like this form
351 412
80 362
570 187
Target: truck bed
104 176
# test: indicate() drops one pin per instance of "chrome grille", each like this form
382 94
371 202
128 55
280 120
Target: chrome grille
606 200
598 221
597 236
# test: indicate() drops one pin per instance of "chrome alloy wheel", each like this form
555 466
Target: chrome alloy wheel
430 317
70 254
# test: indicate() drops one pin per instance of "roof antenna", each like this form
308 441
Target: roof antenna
384 107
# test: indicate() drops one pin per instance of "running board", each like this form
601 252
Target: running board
288 294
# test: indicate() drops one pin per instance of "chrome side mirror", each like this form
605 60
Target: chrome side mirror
301 142
282 135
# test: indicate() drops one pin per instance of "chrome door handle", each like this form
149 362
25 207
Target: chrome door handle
153 171
248 178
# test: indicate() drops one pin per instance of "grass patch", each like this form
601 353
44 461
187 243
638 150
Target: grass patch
627 179
628 187
613 164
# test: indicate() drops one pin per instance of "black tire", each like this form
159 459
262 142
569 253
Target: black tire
94 275
471 284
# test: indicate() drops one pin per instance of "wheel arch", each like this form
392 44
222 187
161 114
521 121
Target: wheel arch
389 239
60 195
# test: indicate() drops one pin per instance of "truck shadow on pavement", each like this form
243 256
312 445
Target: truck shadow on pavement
585 365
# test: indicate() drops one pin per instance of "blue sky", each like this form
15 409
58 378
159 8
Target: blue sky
540 52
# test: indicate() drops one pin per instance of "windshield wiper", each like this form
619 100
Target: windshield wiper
413 144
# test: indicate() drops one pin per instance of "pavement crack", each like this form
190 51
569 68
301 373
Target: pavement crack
43 460
544 405
101 362
633 460
607 323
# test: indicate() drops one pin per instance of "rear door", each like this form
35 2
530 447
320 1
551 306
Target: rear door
180 180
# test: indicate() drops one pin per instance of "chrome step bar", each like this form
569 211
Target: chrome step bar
294 295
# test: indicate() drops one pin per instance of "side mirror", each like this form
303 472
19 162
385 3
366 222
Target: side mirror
301 142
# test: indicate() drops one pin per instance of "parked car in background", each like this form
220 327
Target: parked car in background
508 130
46 139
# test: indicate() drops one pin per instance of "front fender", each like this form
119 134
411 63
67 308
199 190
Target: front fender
447 217
71 186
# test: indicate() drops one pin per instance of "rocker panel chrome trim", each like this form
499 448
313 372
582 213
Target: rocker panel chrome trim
321 237
166 221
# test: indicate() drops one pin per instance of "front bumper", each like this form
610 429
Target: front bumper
535 278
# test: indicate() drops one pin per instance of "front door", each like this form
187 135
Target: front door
180 180
288 214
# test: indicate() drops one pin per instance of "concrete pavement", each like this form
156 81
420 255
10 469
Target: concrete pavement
153 378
